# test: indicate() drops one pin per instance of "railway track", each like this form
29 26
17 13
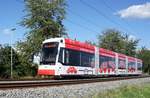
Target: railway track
39 83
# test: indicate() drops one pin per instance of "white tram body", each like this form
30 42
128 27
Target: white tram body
61 57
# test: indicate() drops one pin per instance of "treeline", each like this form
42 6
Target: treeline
44 19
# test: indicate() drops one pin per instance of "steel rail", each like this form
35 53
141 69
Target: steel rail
39 83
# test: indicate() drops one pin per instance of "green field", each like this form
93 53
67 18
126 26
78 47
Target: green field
127 92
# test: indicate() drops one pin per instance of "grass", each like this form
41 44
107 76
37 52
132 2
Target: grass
126 92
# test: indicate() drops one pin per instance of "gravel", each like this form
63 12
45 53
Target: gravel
71 91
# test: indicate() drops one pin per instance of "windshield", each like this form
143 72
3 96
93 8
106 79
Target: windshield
49 52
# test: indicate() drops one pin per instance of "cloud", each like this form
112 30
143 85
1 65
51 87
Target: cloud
136 11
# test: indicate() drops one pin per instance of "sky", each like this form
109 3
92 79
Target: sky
85 19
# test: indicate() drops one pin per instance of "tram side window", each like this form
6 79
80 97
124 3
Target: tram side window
106 62
87 59
72 57
78 58
111 62
131 65
139 66
102 62
122 64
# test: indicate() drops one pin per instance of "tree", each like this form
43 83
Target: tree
116 41
144 54
20 67
43 20
130 46
5 62
110 39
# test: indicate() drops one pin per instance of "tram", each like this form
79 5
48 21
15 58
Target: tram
66 57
